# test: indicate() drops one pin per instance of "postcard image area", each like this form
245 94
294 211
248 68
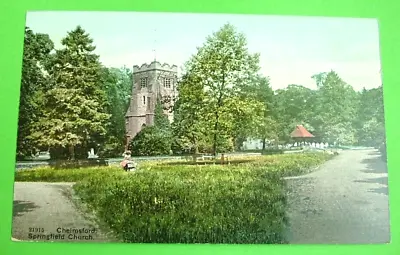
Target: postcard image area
200 128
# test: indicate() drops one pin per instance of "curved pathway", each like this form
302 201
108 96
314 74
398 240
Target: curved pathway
345 201
45 212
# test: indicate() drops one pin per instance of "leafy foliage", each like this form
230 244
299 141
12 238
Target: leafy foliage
70 103
73 109
117 84
221 70
34 81
295 107
150 141
189 126
156 139
370 123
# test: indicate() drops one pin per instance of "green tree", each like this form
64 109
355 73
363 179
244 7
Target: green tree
74 114
335 110
268 130
224 67
161 120
117 84
156 139
34 81
256 112
150 142
189 126
320 78
294 105
370 123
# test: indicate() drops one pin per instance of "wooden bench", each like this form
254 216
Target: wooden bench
210 157
201 156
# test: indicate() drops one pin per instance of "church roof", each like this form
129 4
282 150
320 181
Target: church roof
300 132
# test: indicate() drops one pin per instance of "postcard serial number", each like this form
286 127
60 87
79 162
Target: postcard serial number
36 230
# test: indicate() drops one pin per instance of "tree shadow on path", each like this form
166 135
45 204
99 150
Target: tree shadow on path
21 207
376 165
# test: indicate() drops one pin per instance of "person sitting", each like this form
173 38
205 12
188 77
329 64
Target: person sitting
127 164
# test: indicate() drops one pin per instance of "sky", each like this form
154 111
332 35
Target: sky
291 49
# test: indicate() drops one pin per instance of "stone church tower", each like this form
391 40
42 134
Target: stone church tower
150 82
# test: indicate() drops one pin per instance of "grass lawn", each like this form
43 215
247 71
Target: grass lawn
173 201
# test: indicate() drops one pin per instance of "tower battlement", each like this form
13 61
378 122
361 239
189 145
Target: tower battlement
155 65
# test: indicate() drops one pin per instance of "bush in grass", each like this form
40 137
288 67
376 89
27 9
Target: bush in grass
151 141
198 204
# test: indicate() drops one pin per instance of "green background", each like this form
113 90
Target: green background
12 20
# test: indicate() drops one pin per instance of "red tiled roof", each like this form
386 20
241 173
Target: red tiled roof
300 132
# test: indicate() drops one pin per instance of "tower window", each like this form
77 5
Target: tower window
143 82
167 83
148 103
144 100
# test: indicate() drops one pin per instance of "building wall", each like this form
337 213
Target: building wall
252 144
143 99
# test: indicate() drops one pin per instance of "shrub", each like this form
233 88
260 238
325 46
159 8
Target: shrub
73 164
81 152
113 148
165 203
151 141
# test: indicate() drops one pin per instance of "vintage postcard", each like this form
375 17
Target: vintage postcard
200 128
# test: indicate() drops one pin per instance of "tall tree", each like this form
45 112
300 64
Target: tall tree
189 126
265 126
294 106
224 67
319 78
74 109
117 84
335 110
370 123
37 48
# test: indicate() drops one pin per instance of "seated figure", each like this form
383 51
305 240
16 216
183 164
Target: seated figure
127 164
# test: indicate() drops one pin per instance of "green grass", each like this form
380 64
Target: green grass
302 163
171 201
49 174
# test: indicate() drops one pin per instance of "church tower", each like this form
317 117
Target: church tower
149 83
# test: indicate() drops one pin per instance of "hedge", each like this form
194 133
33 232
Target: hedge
162 203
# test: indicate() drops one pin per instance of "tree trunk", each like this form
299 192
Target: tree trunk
215 133
263 144
196 147
219 104
72 152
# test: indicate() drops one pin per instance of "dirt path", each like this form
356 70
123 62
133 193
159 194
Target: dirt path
346 201
44 212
